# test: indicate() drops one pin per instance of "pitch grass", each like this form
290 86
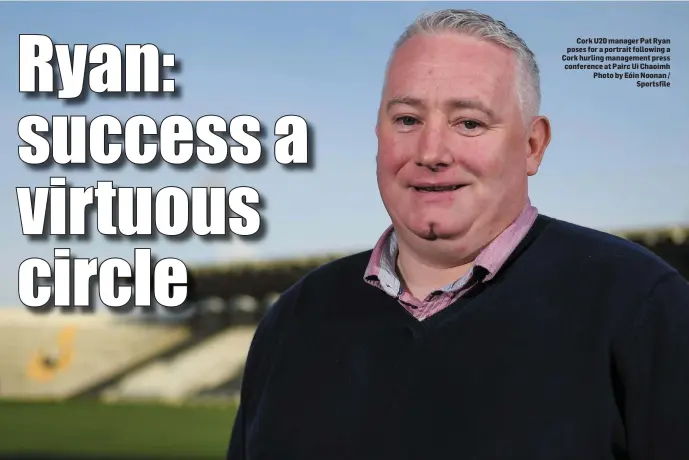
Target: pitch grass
93 430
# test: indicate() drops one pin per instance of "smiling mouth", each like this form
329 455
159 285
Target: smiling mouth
438 188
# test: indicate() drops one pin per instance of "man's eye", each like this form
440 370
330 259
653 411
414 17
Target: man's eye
471 124
406 120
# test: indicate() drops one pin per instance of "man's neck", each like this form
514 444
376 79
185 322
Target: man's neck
421 277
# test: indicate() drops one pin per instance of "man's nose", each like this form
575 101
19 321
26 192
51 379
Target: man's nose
433 152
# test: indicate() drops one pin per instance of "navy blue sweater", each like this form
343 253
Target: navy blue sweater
577 350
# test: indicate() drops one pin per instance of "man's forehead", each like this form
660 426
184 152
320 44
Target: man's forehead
452 47
462 92
451 56
449 68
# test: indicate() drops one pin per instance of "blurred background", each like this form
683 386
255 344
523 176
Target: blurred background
154 385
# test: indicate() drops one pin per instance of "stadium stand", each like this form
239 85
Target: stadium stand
58 356
199 368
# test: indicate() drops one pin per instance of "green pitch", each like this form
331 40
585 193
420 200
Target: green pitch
92 430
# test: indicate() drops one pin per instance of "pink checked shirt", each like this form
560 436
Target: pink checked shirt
382 274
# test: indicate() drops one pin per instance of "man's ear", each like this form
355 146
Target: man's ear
539 138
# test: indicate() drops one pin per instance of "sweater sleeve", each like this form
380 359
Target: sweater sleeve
267 338
654 365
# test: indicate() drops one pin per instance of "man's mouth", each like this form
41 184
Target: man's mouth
438 188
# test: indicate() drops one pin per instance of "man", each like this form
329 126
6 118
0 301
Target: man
476 328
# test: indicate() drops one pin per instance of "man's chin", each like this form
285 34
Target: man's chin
438 230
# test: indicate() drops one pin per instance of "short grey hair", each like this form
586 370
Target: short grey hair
484 27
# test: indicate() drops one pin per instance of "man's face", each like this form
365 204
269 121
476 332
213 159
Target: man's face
453 149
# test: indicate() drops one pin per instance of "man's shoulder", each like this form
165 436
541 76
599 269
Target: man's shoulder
352 266
336 279
345 273
326 280
605 249
580 235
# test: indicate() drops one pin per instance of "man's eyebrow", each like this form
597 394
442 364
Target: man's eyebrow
471 104
450 104
404 100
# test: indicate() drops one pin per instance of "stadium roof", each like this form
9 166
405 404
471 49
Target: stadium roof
651 235
267 265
